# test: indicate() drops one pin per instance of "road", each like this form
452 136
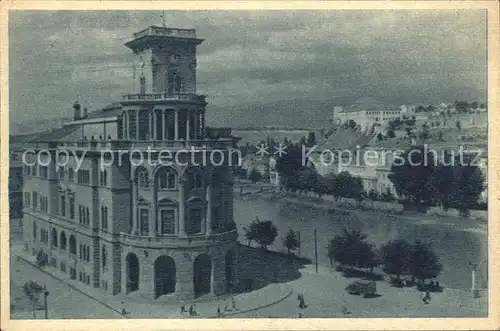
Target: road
63 301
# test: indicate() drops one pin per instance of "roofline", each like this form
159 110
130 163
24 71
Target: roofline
92 120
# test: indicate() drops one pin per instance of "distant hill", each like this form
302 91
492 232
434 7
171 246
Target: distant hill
32 126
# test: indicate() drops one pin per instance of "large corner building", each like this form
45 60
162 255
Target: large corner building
132 226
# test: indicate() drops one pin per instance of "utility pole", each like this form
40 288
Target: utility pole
316 248
298 237
45 295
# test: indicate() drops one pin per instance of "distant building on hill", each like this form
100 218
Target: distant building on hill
367 113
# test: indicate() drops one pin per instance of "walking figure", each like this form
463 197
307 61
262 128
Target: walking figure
191 310
233 302
300 315
426 297
302 304
218 309
183 309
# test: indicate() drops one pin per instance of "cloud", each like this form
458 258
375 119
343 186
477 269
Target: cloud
249 59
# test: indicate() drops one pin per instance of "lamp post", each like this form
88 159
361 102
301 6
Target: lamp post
45 295
474 290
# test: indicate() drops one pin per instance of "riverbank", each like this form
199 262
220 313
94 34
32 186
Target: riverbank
456 241
328 203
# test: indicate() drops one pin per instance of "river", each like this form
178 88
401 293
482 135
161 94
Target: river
456 242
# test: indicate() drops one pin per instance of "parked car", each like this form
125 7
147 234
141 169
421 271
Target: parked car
366 289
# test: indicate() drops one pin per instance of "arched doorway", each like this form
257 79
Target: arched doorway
230 270
132 272
165 277
202 275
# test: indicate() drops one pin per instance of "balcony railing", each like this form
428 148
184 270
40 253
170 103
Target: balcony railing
222 142
164 96
176 241
166 32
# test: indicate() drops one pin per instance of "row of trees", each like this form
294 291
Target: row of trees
350 249
398 257
264 233
449 182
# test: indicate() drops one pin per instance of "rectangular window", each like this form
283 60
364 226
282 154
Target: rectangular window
104 218
194 224
144 221
35 200
63 205
132 124
44 172
83 177
72 207
61 172
34 170
167 222
71 173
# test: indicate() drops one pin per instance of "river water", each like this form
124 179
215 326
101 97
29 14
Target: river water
456 242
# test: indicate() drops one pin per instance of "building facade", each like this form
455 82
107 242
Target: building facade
142 202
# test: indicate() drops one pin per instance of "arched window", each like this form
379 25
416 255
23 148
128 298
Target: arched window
72 245
167 179
63 241
143 178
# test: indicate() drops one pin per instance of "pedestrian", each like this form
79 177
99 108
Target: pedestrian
427 296
218 309
183 309
191 310
424 297
300 315
233 302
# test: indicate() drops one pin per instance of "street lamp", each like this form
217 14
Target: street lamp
45 295
474 290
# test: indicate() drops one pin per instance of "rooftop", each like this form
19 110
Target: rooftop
155 35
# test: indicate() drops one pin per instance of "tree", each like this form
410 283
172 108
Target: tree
470 185
42 258
380 136
254 175
348 186
395 257
350 249
33 290
390 133
291 241
308 179
473 105
263 232
289 164
311 139
424 263
411 173
250 232
321 187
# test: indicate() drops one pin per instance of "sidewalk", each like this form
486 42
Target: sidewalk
141 308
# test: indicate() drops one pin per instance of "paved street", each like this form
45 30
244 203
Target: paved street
63 301
324 294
